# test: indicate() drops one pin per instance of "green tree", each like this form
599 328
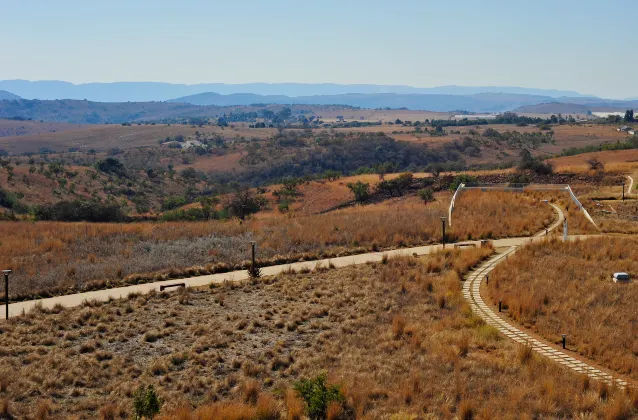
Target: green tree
426 194
629 115
361 191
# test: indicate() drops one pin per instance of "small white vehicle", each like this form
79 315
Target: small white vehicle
621 278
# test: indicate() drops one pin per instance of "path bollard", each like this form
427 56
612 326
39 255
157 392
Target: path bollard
6 292
500 305
487 279
564 340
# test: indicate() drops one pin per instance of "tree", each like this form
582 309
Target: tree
111 165
361 191
427 195
595 164
629 115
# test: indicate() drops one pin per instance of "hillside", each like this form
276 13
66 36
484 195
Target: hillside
8 96
482 102
577 106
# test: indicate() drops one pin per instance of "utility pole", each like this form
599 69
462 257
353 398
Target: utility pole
6 292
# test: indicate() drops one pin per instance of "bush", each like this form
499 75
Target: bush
462 179
146 403
317 395
361 191
170 203
426 194
76 211
396 187
111 165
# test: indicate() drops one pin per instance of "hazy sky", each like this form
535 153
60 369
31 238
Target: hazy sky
587 46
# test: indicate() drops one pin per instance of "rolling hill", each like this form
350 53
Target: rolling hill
7 96
482 102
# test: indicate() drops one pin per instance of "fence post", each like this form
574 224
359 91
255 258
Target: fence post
252 264
6 293
443 231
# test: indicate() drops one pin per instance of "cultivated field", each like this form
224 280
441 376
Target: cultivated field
566 288
396 338
60 257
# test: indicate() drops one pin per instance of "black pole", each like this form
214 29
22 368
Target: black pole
487 279
243 209
6 293
443 231
500 303
564 340
252 265
623 191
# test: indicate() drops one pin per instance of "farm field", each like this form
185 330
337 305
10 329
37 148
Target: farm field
103 137
396 339
559 288
58 257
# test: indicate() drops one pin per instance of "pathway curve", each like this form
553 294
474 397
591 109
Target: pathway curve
631 185
472 293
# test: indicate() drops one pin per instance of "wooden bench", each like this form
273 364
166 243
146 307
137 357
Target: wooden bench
464 245
166 286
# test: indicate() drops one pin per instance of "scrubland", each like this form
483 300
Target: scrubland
566 288
56 258
395 337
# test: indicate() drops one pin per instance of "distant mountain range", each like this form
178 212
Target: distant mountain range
481 102
4 95
156 91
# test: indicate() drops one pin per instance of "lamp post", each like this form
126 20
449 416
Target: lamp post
443 219
6 292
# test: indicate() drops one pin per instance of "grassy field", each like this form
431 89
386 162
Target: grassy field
566 288
396 338
102 137
60 257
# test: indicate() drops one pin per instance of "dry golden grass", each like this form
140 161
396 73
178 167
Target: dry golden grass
240 360
614 160
498 214
56 258
566 288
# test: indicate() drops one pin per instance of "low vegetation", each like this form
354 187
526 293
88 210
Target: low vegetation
566 288
392 340
57 258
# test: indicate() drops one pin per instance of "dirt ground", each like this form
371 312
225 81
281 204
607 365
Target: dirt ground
396 337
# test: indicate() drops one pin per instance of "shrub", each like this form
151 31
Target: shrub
75 211
396 187
317 395
361 191
146 403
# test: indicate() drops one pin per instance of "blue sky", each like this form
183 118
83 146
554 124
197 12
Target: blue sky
582 45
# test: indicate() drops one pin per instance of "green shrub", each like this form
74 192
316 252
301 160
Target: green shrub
146 403
361 191
426 194
317 394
